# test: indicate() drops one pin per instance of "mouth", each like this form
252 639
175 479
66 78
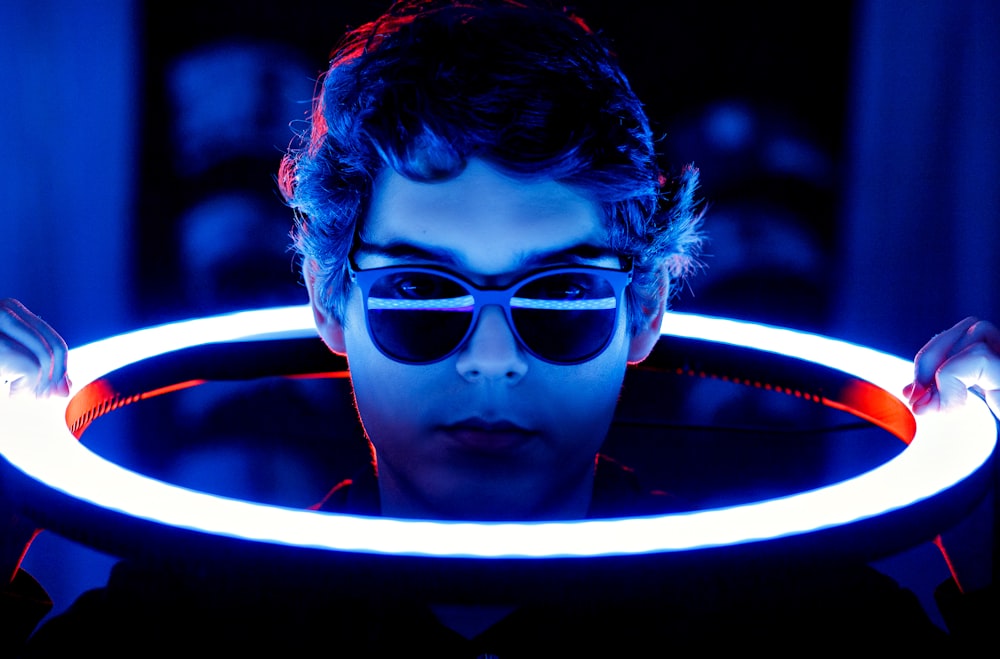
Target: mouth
489 437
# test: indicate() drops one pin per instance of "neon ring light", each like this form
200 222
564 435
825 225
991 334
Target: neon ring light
73 490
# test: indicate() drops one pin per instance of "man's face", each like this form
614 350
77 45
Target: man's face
490 432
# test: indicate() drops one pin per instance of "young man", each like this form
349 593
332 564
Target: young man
486 235
484 146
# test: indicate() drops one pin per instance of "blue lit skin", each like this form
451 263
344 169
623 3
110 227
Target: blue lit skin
433 463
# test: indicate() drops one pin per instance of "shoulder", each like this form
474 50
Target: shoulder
22 605
357 495
618 492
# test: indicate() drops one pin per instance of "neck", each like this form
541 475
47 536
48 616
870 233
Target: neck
571 501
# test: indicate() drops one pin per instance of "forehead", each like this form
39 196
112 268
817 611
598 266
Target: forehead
483 220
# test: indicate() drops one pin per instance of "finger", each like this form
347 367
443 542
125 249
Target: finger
981 331
937 350
986 335
33 351
18 366
974 366
25 335
963 334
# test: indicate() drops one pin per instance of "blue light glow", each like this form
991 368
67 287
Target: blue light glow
946 449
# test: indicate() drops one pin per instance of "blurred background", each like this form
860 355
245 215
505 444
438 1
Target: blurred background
849 153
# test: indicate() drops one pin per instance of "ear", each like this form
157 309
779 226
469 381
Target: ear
643 341
330 329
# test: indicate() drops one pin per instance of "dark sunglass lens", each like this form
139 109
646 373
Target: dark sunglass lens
566 317
418 316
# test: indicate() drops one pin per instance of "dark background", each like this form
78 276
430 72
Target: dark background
780 67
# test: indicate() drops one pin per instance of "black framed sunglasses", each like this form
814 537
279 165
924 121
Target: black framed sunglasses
423 314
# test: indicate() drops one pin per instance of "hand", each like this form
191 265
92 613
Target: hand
32 354
967 356
32 360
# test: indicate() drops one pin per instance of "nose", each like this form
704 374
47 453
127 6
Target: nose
492 352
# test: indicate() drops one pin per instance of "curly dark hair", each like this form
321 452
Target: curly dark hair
529 88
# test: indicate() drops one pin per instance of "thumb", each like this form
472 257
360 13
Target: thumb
975 366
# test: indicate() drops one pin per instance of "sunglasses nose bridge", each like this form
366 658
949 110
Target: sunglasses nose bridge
490 298
492 348
494 298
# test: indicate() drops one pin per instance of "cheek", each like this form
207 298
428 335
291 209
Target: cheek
595 391
589 392
607 372
393 400
377 387
384 397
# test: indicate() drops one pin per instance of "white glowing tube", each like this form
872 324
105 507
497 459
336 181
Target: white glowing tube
946 449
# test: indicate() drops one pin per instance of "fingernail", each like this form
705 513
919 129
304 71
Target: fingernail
63 387
924 398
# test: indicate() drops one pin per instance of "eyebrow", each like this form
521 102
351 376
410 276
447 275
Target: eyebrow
406 251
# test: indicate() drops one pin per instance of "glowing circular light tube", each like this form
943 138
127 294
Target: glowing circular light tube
946 449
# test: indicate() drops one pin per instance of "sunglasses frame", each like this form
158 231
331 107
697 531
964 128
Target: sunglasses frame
483 296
